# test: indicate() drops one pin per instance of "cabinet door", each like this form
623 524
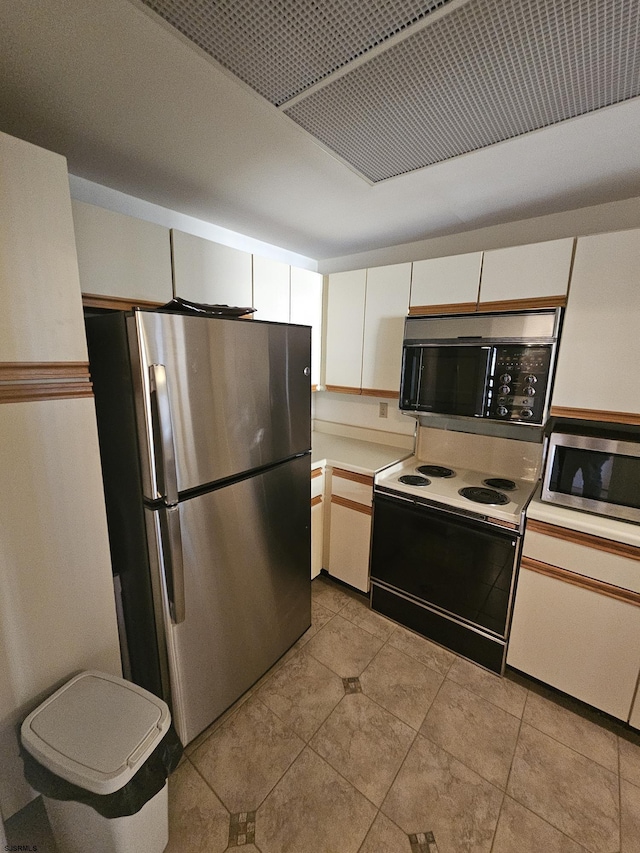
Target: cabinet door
596 375
349 539
578 640
121 256
209 272
386 306
41 318
306 309
270 289
317 520
531 276
59 614
345 327
446 285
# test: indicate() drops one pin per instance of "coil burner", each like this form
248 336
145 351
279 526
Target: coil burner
500 483
435 471
413 480
484 496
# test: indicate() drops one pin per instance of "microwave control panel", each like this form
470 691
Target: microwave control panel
518 380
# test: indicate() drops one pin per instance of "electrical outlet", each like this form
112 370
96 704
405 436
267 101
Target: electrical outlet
383 410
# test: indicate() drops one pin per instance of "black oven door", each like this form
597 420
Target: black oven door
457 566
448 380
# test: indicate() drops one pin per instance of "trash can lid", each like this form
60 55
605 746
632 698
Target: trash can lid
96 731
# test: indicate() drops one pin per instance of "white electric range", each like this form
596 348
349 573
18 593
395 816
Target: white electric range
491 498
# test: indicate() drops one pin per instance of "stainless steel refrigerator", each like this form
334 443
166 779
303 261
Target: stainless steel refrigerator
204 426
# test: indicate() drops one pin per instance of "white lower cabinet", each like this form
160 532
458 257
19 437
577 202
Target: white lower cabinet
317 520
350 528
576 633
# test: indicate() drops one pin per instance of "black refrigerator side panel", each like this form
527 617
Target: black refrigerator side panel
115 408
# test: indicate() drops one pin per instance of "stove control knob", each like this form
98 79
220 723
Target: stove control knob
504 389
526 413
531 379
529 391
501 411
506 377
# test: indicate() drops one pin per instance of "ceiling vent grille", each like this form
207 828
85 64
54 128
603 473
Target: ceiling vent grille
476 73
489 71
281 48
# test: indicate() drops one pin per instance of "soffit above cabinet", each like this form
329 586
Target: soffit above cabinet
391 87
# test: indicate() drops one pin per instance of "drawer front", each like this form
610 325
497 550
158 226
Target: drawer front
617 565
317 482
353 487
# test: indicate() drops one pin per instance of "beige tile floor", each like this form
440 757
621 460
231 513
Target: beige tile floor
366 738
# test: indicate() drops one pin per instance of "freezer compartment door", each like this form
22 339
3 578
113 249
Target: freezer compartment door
246 551
238 390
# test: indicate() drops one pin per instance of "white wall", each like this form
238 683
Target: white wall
598 219
359 411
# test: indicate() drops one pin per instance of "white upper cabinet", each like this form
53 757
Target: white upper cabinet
209 272
446 285
306 309
365 322
270 289
387 302
121 256
345 327
596 375
41 318
535 275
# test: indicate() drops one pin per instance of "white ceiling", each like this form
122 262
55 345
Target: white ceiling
134 106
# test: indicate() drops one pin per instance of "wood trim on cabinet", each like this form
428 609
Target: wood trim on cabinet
448 308
22 381
117 303
316 472
589 540
596 415
342 389
558 301
600 587
378 392
317 500
365 479
345 502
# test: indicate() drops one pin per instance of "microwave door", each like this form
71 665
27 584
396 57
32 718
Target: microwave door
453 380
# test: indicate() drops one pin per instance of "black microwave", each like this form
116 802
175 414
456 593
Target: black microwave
494 366
594 473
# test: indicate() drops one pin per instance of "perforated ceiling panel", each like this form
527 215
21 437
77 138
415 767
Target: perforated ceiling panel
487 72
475 73
281 47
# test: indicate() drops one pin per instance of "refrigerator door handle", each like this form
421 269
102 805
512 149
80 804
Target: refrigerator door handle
173 562
163 427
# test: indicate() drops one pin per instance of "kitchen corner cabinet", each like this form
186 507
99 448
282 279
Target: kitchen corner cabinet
350 527
271 289
121 259
576 619
365 323
41 318
446 285
306 310
317 520
208 272
596 374
532 276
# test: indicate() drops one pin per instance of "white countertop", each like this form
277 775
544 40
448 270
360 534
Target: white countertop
585 522
362 457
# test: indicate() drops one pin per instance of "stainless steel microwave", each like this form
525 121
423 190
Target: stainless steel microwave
595 474
496 366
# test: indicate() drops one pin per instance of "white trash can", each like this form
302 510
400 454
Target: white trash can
96 732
